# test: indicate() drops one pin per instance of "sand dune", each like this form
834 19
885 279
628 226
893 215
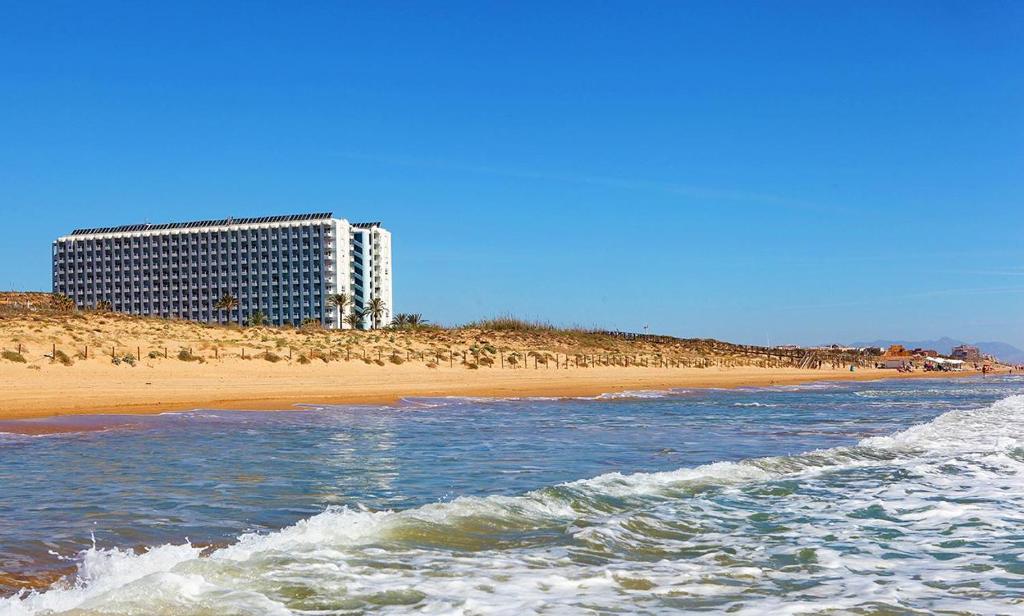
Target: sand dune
107 363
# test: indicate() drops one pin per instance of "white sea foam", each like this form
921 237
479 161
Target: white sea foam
646 394
998 427
927 519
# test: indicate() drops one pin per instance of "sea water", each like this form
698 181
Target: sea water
889 497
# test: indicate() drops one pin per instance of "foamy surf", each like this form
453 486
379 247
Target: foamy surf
927 519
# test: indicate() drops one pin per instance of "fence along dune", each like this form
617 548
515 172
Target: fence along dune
96 361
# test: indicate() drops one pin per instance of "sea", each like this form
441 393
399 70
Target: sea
868 498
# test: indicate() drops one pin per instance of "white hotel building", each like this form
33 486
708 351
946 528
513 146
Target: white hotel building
284 266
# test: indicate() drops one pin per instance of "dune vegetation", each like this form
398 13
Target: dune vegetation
47 331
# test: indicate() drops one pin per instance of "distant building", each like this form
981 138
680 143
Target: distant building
966 352
897 350
943 365
285 267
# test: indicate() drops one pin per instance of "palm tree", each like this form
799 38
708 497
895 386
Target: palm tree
339 301
226 303
257 319
62 303
375 309
406 319
354 320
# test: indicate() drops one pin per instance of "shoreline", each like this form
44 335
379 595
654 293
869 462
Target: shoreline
39 395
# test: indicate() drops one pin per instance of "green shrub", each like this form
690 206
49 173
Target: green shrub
397 359
257 319
271 357
303 359
62 357
186 355
15 357
509 323
155 354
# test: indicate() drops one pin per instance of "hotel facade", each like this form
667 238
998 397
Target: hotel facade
285 267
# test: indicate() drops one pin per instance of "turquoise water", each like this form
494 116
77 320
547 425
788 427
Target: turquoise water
899 497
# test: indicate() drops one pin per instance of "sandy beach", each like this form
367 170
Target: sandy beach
101 363
155 388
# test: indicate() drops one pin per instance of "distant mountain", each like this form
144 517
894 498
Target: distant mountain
1000 350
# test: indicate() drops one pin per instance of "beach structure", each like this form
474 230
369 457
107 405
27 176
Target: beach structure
943 364
899 363
287 268
897 350
966 352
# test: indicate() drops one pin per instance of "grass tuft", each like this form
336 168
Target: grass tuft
186 355
509 323
14 356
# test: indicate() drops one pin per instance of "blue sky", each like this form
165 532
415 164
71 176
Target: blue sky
800 172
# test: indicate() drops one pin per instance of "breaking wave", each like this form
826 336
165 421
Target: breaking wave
925 519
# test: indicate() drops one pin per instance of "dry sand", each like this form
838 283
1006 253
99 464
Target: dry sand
153 387
233 371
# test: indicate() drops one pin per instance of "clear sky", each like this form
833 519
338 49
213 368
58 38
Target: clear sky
801 171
